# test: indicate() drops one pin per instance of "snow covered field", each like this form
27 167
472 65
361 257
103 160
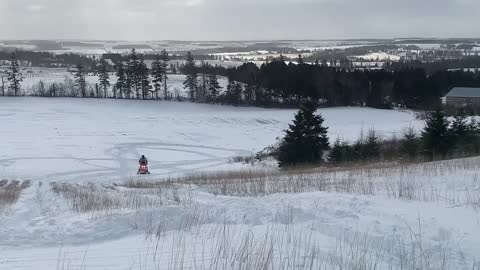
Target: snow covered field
78 204
96 140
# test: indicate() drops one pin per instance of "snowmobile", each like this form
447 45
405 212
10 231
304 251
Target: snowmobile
143 169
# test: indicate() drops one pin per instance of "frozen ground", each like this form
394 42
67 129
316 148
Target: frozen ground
78 211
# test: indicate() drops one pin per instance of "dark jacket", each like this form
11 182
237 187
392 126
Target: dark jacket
143 161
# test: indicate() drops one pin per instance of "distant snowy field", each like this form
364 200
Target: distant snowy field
97 140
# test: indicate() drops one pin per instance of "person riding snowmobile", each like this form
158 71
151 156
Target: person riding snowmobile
143 165
143 160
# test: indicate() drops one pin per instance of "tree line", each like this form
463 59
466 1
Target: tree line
307 142
273 84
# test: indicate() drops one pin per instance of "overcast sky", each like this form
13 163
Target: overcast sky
237 19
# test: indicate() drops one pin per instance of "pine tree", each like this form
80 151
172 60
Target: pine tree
229 94
133 73
463 133
14 76
213 87
237 93
165 59
249 92
436 137
121 85
157 74
191 80
80 80
336 153
410 144
371 148
144 78
104 77
3 84
305 140
460 128
202 89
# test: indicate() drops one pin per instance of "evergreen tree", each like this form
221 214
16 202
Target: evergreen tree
459 128
104 77
463 134
133 73
97 90
436 137
229 94
14 76
202 90
191 80
157 74
144 78
213 87
305 140
80 80
121 85
165 59
371 148
237 93
410 144
336 153
3 83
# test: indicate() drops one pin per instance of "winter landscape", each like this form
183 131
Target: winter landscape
239 135
80 204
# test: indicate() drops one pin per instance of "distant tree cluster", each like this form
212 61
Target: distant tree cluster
306 142
432 67
288 85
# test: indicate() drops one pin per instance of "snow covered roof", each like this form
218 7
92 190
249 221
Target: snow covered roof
468 92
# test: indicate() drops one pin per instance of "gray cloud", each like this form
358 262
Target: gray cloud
236 19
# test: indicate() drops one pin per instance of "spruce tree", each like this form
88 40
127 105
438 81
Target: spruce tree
144 78
249 92
104 77
436 137
371 148
410 144
191 80
133 73
14 76
121 84
305 140
237 93
80 80
213 87
230 92
3 83
157 75
165 59
463 133
336 156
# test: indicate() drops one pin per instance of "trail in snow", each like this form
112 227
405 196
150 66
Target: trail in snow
101 140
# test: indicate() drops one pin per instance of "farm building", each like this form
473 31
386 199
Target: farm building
463 97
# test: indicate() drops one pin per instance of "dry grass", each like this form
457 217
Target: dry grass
10 192
422 182
94 198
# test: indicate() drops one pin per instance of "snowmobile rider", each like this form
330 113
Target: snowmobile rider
143 160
